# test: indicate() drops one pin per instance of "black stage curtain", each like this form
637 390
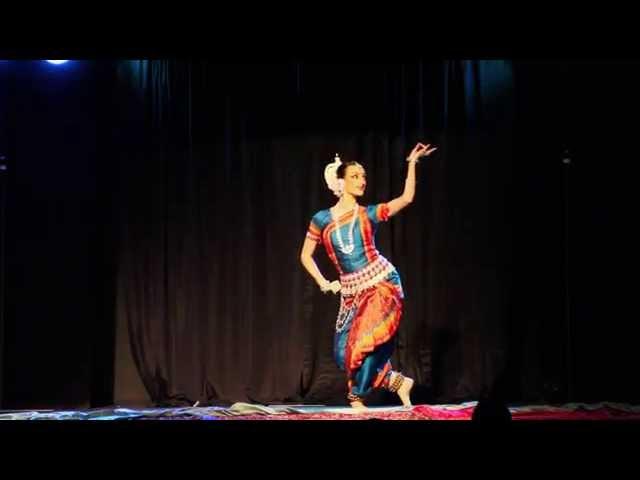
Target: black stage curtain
58 324
220 171
156 210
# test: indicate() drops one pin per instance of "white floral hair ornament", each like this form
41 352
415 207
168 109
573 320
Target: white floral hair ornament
335 184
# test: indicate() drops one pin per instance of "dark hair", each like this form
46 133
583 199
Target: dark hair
342 169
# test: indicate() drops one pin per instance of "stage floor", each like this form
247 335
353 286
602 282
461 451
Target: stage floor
246 411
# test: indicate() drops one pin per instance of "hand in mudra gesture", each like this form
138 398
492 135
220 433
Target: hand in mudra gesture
419 151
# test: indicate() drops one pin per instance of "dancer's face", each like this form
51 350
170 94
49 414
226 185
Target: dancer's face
355 180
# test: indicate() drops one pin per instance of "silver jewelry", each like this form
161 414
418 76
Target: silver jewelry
345 314
346 249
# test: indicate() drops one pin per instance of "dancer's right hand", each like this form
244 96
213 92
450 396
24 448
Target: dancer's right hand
335 286
330 286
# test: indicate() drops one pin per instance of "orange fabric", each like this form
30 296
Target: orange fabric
375 323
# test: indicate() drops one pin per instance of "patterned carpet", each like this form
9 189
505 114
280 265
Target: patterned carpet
245 411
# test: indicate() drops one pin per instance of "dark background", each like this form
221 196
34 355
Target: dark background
155 212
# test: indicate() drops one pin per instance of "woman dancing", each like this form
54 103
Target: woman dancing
369 286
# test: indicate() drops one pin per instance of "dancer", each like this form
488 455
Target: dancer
369 286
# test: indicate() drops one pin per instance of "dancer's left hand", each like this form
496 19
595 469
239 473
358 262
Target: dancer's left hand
420 150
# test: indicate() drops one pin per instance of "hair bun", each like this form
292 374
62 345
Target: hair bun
331 176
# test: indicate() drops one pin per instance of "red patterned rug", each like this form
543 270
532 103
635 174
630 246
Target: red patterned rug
246 411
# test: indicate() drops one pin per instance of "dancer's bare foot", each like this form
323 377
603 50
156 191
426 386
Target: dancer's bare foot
404 392
358 405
